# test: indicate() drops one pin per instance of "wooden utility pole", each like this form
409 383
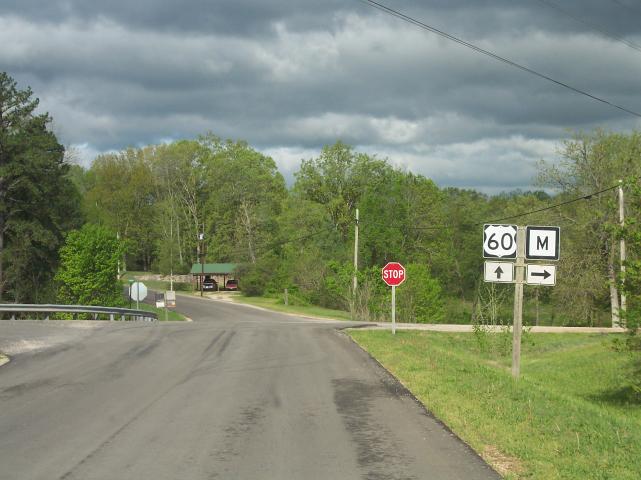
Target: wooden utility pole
355 286
201 251
622 252
519 277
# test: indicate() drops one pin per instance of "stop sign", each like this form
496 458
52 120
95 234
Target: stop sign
393 274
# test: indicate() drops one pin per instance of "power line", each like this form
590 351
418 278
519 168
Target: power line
591 25
497 220
270 246
518 215
621 4
418 23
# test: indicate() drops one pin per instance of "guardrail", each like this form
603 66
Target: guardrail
111 312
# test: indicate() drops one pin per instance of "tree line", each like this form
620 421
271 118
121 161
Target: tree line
156 200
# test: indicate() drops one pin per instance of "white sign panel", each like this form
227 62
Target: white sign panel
138 291
541 275
502 272
170 298
499 241
542 243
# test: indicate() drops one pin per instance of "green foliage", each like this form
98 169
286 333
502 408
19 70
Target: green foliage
260 277
121 197
420 298
88 273
38 202
589 259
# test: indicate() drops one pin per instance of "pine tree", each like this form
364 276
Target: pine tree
38 203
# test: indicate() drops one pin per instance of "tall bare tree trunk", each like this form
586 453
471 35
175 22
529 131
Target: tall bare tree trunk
614 294
180 247
248 229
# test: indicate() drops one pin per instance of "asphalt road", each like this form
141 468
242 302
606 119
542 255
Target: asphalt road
239 393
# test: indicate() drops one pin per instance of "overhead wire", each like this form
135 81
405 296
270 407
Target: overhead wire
425 26
496 220
591 25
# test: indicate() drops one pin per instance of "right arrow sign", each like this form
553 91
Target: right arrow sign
541 275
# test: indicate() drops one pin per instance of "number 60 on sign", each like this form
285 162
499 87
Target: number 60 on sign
499 241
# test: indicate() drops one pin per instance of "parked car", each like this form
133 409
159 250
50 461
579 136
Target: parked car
209 284
231 285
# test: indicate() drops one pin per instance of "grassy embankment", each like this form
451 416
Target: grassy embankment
569 416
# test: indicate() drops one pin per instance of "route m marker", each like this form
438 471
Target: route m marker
393 274
542 243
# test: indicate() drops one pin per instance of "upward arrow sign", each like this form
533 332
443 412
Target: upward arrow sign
499 272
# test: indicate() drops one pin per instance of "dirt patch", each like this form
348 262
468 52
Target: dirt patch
24 346
502 463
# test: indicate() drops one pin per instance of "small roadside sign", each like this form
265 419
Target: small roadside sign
542 243
160 300
170 299
138 291
541 275
500 272
499 241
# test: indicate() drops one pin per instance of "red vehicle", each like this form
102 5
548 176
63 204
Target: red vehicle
231 285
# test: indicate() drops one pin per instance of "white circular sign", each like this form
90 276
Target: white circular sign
499 241
138 291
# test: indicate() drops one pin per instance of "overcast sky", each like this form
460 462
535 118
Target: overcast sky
292 76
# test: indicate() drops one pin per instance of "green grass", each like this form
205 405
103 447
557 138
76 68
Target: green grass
569 416
171 314
277 305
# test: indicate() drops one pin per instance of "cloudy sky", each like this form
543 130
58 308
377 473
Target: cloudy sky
292 76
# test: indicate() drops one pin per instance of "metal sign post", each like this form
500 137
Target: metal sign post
393 310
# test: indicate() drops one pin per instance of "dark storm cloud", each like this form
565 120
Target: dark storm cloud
292 76
235 17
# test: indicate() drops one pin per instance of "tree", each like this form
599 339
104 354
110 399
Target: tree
245 196
420 298
88 273
121 197
338 179
38 202
591 163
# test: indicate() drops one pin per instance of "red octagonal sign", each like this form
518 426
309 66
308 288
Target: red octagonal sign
393 274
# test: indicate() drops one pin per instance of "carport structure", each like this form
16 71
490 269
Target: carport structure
219 272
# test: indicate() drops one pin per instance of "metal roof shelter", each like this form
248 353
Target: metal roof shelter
214 268
220 272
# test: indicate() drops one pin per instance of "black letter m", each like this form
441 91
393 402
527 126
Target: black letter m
541 243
